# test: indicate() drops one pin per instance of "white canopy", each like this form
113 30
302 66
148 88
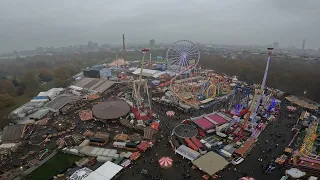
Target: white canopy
295 173
105 172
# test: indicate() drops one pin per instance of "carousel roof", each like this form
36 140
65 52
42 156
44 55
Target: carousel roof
111 109
185 131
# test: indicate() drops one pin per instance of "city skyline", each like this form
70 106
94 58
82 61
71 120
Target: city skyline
37 23
95 46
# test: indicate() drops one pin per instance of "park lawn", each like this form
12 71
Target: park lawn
18 101
56 165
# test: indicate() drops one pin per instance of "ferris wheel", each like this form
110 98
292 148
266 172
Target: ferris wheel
182 54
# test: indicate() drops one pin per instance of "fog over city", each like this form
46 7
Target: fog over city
27 24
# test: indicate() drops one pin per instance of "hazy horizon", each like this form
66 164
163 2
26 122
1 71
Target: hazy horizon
28 24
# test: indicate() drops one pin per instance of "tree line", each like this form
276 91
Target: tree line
30 75
294 76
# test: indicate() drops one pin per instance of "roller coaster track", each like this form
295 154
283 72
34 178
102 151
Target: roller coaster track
306 148
189 102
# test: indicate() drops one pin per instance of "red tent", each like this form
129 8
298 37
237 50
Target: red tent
155 125
190 144
135 156
196 142
143 146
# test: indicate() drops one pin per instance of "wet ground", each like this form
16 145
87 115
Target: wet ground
251 166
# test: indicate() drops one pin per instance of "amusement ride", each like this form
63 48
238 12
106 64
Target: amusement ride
187 86
140 100
306 153
255 103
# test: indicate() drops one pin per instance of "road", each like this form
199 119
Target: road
251 166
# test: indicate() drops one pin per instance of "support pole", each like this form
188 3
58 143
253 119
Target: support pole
150 58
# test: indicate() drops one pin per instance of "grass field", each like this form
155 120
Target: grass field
20 100
57 164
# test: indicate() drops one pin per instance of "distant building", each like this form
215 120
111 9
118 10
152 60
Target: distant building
152 42
105 46
93 72
95 46
90 45
40 50
303 44
275 45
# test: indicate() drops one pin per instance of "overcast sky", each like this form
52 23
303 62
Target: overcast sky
25 24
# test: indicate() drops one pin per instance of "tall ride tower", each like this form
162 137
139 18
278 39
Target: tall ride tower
124 49
260 92
137 95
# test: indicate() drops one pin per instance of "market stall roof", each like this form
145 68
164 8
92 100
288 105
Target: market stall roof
246 146
303 102
13 133
217 118
41 113
111 109
187 152
61 100
210 163
120 137
105 172
94 84
85 115
204 123
146 72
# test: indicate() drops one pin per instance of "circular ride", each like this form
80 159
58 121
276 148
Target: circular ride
211 91
187 86
182 54
185 131
110 110
182 58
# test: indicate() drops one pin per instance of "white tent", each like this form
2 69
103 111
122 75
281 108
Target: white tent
80 174
146 72
105 172
295 173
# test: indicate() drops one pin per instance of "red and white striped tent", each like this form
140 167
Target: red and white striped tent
165 162
170 113
247 178
291 108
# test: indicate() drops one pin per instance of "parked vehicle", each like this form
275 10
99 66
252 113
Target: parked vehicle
237 160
